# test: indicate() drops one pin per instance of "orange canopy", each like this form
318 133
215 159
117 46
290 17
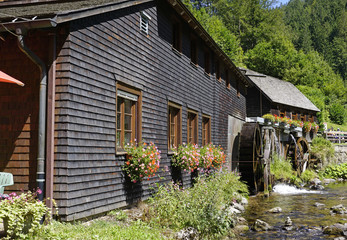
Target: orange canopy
6 78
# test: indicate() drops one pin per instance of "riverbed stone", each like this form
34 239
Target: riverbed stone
317 204
288 224
336 229
260 225
244 201
241 221
241 228
339 209
187 234
328 181
238 206
275 210
232 211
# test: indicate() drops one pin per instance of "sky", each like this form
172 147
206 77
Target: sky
281 1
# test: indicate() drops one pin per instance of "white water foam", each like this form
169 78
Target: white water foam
287 189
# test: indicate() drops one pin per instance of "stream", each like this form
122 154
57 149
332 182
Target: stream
299 205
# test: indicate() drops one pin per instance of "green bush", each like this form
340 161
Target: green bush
21 214
282 169
322 149
337 113
336 171
308 175
201 207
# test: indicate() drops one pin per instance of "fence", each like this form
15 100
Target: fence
336 136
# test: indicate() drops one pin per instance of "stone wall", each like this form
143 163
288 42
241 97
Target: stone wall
341 153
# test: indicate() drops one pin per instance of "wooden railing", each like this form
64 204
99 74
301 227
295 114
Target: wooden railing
336 136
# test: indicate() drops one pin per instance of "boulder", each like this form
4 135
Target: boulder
241 228
238 206
328 181
260 225
232 211
316 181
244 201
275 210
336 229
288 224
241 221
187 234
339 209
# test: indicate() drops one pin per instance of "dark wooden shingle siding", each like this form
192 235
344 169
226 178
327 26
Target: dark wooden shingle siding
110 48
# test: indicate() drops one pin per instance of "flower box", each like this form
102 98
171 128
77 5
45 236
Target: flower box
255 119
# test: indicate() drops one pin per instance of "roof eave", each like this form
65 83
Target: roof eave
29 24
88 12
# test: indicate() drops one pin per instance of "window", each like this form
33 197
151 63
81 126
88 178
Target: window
128 119
193 50
207 61
206 130
144 19
192 127
176 36
227 79
218 76
174 126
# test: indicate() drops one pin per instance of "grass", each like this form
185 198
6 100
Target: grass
203 207
101 230
342 128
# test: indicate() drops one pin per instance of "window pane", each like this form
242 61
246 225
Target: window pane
119 102
118 120
127 137
127 105
127 122
118 139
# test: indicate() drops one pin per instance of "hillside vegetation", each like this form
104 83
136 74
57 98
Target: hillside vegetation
303 42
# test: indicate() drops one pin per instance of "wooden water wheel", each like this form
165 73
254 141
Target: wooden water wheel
250 165
299 153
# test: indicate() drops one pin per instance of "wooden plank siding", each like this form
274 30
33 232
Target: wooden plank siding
100 51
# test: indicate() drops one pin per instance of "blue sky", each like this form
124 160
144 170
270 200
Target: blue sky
281 1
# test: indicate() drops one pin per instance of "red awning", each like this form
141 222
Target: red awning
8 79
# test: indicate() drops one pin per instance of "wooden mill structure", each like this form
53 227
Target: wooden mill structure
260 140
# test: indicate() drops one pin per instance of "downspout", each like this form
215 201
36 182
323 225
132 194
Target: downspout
40 177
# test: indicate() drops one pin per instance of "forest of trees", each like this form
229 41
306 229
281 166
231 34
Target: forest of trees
303 42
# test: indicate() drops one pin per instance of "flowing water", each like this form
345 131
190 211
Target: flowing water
299 205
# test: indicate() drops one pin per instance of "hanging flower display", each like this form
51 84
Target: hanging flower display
187 157
142 161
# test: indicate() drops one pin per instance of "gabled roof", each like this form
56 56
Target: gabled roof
279 91
50 13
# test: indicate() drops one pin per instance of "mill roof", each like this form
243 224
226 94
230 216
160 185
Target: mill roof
50 13
280 91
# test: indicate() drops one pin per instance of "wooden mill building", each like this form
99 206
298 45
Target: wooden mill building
272 95
98 74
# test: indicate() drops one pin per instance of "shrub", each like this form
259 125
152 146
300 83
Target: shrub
22 214
143 161
202 207
308 175
322 149
281 168
336 171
